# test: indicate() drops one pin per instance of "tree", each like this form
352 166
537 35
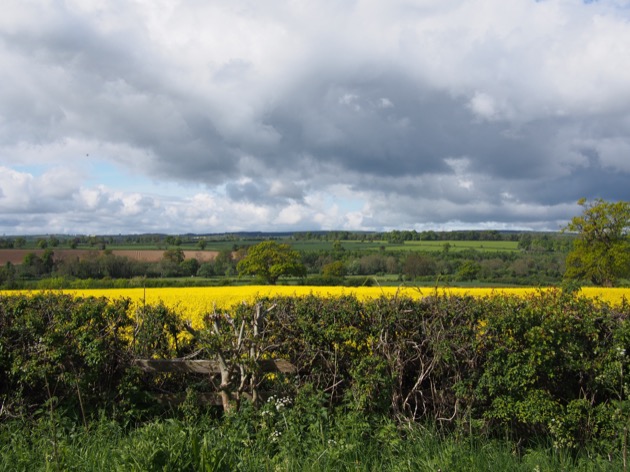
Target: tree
270 260
468 271
525 242
170 263
48 261
418 264
335 269
601 251
175 256
223 262
190 266
205 270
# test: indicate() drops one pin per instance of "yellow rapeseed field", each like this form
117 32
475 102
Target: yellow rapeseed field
193 302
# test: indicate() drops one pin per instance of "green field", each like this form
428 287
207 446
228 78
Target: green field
421 246
347 245
222 244
492 246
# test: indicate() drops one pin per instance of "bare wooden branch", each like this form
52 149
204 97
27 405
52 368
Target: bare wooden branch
208 366
236 349
239 341
178 365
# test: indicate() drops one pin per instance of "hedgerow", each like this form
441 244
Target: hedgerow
549 364
70 352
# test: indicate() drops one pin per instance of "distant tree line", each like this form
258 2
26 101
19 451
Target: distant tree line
596 251
540 260
162 241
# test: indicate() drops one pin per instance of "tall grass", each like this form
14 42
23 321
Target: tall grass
301 438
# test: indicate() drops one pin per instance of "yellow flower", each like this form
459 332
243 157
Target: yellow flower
194 302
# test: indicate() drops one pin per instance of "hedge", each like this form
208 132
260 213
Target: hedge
549 364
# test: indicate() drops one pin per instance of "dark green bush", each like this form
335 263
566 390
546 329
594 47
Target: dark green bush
552 364
73 352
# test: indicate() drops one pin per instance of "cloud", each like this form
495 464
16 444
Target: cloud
24 193
419 113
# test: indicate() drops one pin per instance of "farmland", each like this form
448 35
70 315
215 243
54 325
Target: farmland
420 246
400 347
335 258
433 246
16 256
152 254
193 302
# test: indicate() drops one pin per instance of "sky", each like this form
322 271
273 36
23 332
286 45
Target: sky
212 116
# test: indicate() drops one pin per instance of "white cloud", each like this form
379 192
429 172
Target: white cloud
24 192
290 215
385 103
16 190
484 106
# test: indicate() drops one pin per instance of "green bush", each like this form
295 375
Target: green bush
550 365
69 352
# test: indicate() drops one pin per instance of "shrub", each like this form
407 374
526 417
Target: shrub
70 351
551 364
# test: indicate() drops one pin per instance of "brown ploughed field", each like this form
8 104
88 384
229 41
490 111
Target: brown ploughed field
16 256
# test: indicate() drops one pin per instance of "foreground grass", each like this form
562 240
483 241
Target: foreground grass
292 440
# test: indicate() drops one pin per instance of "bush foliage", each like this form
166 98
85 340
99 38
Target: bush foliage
552 364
